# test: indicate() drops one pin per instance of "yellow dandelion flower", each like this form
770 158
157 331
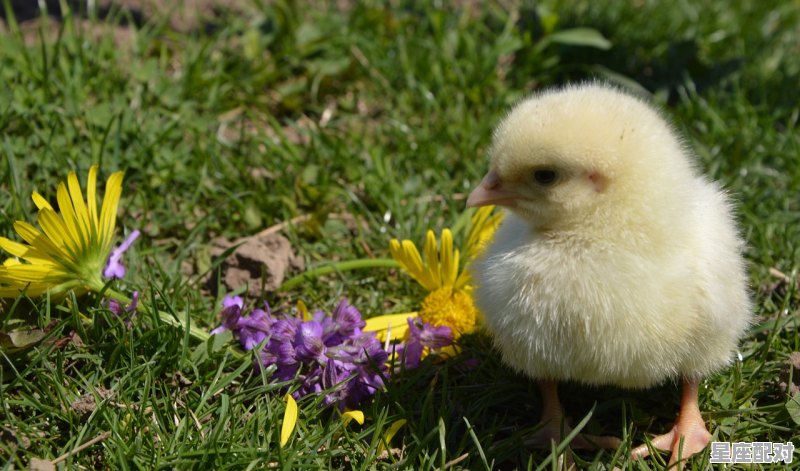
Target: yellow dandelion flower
72 247
449 301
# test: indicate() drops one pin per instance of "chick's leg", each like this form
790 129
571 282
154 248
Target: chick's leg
689 434
554 428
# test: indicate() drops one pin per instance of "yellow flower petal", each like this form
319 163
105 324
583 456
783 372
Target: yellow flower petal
409 259
394 248
76 195
425 277
55 229
463 279
91 196
450 259
432 259
351 415
108 214
27 273
38 240
74 227
289 419
303 310
26 252
482 227
389 434
39 201
394 326
30 290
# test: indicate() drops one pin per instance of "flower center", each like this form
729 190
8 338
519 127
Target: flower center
453 308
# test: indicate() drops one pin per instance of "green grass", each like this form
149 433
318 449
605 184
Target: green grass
382 113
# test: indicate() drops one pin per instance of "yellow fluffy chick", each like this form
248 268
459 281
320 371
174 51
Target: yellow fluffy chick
619 263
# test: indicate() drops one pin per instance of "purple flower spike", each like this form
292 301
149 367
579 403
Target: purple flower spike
127 312
435 337
251 330
328 354
422 335
309 341
348 319
114 268
229 316
229 301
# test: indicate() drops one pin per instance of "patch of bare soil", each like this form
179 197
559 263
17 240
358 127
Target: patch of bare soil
260 262
86 404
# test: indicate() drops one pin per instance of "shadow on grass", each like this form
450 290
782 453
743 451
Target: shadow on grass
26 10
503 409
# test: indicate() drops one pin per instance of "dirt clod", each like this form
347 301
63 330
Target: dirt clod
86 404
258 260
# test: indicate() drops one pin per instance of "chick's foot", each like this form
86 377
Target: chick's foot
554 428
689 434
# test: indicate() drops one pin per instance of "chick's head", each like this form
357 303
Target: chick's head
581 154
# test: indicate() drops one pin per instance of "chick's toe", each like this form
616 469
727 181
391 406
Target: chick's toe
688 436
554 428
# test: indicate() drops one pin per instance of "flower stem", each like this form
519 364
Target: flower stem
196 332
338 267
116 295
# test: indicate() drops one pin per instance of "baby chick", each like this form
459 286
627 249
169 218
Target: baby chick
618 264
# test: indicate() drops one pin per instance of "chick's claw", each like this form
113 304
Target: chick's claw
688 436
682 442
555 432
554 428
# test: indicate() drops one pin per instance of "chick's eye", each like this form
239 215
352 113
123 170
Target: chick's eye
545 177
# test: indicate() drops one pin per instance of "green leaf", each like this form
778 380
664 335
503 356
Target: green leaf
580 37
215 343
620 79
20 339
306 34
507 44
219 341
251 44
327 67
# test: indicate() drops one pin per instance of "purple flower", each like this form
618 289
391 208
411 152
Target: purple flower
430 336
114 268
308 341
328 354
127 312
348 320
231 312
229 301
251 330
422 335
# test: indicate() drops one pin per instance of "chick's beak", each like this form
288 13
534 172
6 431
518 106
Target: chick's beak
490 191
